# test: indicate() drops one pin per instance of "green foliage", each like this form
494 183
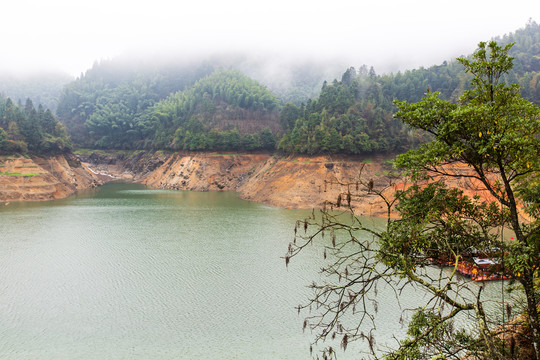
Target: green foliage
137 112
118 106
288 115
526 53
351 116
489 140
432 337
495 132
224 93
225 110
3 138
439 223
360 108
30 130
17 174
102 107
233 88
201 138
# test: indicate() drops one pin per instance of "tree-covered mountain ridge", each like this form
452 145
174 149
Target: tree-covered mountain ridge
356 114
223 111
201 106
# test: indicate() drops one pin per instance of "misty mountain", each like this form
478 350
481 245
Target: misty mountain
225 110
42 89
355 115
124 89
137 103
526 53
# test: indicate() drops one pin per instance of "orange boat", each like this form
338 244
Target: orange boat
482 269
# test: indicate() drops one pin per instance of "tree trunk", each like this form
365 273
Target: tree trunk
532 310
486 334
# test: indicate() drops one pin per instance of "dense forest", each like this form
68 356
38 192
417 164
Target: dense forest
355 115
221 106
223 111
117 93
212 105
30 130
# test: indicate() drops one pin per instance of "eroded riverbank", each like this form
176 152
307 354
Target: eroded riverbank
294 182
38 179
285 182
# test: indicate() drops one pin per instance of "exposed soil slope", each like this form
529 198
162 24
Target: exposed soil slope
36 179
310 182
122 165
206 172
286 182
291 182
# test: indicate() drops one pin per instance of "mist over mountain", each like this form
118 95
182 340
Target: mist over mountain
175 103
42 88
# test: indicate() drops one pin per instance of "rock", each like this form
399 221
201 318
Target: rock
38 179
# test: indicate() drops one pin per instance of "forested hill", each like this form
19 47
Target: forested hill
223 111
355 115
30 130
126 88
526 53
150 113
193 106
112 94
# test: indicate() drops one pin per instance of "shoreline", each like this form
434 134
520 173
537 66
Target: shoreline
288 182
292 182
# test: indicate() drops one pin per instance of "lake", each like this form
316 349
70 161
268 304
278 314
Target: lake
130 273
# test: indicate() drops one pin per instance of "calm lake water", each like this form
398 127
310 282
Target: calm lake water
131 273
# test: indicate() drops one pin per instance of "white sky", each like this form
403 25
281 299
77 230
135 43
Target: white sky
69 35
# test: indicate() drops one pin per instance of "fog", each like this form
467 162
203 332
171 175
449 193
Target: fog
391 35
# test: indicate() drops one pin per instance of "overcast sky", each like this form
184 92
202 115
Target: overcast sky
69 35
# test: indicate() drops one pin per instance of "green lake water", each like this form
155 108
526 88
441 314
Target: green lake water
130 273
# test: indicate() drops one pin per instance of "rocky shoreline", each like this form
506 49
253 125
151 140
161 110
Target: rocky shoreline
300 182
39 179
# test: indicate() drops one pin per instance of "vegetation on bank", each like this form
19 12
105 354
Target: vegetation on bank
224 111
111 95
356 114
30 130
214 113
5 173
